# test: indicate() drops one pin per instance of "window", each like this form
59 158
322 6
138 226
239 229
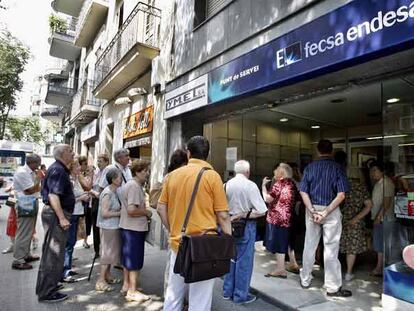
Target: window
204 9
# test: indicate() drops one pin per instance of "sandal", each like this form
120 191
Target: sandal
103 287
271 275
136 296
113 281
123 292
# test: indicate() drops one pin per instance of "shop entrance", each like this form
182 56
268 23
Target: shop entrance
374 121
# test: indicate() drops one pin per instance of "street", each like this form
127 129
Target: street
18 287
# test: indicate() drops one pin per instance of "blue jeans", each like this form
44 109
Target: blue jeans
237 281
70 244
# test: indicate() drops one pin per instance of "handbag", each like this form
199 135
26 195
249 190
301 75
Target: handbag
26 205
206 256
238 226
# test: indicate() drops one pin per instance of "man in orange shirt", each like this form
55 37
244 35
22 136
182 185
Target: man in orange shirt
210 209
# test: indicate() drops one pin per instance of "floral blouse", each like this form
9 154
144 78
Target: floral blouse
285 196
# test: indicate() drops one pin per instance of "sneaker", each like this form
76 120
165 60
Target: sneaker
349 277
56 297
68 279
59 287
250 298
340 293
226 297
8 250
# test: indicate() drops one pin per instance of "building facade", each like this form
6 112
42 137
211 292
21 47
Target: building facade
265 80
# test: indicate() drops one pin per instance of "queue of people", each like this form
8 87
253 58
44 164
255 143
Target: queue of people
114 198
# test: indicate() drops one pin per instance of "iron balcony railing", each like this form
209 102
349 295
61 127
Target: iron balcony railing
84 97
62 86
141 26
82 15
71 29
49 111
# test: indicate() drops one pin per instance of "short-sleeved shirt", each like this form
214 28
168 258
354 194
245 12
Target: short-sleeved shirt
57 181
78 191
323 180
126 175
114 206
384 188
176 194
133 194
285 195
243 195
23 179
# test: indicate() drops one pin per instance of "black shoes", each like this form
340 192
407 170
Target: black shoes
340 293
56 297
22 266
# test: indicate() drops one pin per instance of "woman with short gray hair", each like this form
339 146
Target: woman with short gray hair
108 221
282 199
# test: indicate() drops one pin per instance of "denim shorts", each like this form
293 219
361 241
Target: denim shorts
378 235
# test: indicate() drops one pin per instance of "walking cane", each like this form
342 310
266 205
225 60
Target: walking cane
90 271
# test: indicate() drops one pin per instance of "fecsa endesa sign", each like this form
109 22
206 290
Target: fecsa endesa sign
354 33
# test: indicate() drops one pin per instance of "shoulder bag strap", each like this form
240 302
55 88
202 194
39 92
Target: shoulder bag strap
193 195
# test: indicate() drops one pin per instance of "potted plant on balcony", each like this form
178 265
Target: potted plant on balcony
57 24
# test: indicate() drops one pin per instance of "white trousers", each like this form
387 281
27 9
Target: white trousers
331 228
200 294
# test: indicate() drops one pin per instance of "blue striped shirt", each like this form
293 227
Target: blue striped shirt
323 180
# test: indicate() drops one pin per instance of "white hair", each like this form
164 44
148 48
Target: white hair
242 167
120 152
286 169
59 150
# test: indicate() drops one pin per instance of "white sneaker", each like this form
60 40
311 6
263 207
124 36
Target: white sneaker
349 277
8 250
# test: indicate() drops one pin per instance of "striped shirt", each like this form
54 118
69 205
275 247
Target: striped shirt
323 180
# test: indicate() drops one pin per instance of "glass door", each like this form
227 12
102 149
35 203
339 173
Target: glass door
398 219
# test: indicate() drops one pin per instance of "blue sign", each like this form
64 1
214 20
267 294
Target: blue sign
352 34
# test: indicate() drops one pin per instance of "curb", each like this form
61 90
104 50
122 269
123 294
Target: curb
272 300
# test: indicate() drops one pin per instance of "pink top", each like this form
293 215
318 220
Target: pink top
285 196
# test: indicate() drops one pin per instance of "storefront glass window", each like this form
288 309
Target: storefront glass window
398 222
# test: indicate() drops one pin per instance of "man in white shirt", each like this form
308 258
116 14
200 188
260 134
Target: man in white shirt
244 198
122 159
26 183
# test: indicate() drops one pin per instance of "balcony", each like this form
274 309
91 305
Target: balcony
129 54
85 107
62 44
91 19
69 7
59 90
52 114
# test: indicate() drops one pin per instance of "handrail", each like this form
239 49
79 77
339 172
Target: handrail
128 35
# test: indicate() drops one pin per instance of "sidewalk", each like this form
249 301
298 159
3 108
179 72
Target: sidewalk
288 295
17 288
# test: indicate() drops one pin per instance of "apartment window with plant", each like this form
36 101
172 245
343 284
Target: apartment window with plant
204 9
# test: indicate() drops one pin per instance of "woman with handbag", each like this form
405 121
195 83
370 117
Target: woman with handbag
80 197
134 226
108 221
282 199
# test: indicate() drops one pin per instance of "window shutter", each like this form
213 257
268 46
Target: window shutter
213 6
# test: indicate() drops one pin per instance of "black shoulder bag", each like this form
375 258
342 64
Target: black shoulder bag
206 256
